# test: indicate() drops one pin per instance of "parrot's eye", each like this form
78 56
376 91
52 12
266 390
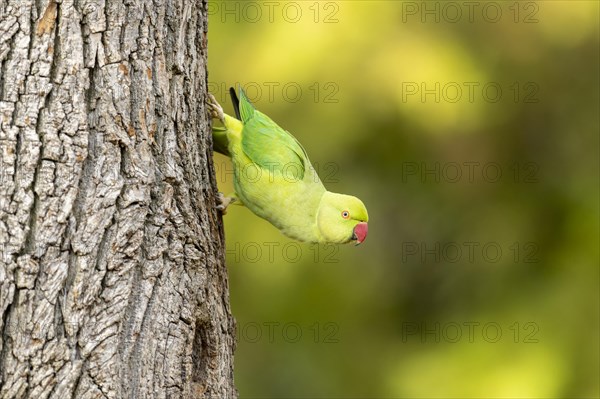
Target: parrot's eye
345 214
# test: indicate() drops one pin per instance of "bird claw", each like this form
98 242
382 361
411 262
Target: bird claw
216 111
223 202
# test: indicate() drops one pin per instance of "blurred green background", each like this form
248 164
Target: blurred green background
471 132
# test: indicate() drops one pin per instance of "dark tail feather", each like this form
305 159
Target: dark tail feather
236 103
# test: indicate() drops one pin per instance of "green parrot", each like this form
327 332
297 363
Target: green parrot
274 178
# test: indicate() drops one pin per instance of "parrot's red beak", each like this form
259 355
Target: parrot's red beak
360 232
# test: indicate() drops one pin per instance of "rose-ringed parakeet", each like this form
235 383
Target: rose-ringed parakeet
274 178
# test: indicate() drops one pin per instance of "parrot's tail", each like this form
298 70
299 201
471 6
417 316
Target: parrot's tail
236 103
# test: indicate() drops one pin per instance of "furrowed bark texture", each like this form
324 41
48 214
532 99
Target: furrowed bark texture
112 274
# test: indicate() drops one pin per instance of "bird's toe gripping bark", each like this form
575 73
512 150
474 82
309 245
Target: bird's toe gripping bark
223 202
216 111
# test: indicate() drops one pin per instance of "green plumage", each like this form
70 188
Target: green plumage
274 178
268 145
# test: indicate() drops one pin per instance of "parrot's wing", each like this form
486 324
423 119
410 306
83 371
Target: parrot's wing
272 148
267 144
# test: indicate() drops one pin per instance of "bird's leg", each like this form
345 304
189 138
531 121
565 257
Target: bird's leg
223 202
216 111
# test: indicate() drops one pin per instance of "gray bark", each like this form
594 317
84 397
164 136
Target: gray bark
112 274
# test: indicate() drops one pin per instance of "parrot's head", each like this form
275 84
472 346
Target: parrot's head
342 218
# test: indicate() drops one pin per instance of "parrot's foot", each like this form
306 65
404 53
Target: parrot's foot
216 111
223 202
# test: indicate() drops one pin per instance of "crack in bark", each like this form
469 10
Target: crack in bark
78 381
5 338
33 214
135 377
103 250
56 48
33 13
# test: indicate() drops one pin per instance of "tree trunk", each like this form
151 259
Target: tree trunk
112 274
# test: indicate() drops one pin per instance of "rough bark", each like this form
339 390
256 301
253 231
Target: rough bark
112 274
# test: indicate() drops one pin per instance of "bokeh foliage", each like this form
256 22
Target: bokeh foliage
369 317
